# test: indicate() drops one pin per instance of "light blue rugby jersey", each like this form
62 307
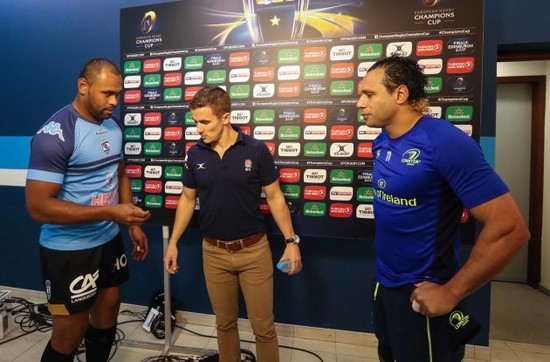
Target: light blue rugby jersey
83 156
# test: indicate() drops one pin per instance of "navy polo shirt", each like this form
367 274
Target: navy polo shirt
229 188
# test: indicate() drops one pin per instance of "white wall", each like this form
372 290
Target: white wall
510 69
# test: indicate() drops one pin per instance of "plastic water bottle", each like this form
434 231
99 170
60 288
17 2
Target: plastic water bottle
284 265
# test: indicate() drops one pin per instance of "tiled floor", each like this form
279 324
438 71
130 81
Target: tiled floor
330 345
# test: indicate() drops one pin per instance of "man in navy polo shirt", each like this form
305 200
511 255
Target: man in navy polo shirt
227 171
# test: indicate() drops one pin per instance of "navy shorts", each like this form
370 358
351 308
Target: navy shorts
73 278
407 336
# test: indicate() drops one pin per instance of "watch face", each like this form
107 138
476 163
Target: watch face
293 239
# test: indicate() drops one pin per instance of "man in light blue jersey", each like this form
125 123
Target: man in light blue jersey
426 172
78 189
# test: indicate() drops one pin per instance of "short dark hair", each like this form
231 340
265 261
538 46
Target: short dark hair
95 66
214 97
400 70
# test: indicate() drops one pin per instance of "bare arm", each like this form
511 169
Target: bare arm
279 209
184 213
504 233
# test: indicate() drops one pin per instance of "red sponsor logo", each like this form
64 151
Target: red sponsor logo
173 133
190 92
341 210
364 149
134 171
341 70
239 59
465 216
460 65
341 132
153 186
271 147
315 193
246 130
151 65
172 79
152 119
188 145
315 54
288 89
263 74
171 202
315 115
289 175
429 48
264 208
132 96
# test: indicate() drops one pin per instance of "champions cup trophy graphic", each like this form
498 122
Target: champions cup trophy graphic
275 20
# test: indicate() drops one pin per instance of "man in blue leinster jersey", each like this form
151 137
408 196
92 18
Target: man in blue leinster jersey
426 172
77 188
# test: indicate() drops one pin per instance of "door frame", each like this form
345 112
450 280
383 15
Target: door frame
538 87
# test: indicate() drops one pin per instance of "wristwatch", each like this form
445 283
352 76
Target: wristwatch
295 239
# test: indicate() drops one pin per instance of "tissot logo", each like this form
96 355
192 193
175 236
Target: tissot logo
132 119
133 171
153 171
364 150
364 211
315 132
132 81
342 52
460 65
240 117
239 59
263 74
173 187
263 90
288 89
152 119
341 132
132 96
315 54
173 133
341 210
429 48
132 148
216 60
151 65
341 193
191 134
290 175
153 186
152 133
315 115
315 176
288 72
172 64
366 133
341 149
239 75
402 49
466 128
317 193
289 149
363 68
264 133
171 202
431 66
435 111
342 70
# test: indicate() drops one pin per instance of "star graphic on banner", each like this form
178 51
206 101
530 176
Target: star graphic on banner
275 21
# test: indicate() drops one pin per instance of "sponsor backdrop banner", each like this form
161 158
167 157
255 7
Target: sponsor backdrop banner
292 69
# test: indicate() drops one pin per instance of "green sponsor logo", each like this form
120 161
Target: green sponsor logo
360 118
216 76
264 116
370 51
173 172
153 201
132 134
173 94
189 119
152 148
459 113
239 91
136 185
151 80
341 87
288 56
315 71
315 149
291 192
365 194
194 62
289 132
435 84
341 177
132 67
315 209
